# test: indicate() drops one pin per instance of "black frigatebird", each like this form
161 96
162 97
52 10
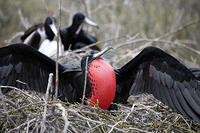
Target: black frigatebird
42 36
20 62
151 71
76 36
34 35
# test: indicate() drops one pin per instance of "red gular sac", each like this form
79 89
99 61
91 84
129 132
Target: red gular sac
103 83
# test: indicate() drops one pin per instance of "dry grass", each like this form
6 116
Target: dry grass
19 113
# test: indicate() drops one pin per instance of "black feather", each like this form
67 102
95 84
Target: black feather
168 80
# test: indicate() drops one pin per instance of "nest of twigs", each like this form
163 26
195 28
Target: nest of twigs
28 111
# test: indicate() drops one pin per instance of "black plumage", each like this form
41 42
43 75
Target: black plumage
156 72
151 71
196 72
36 34
23 63
76 36
32 37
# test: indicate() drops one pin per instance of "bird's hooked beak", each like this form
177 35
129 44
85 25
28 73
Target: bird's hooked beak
88 21
89 58
97 55
93 57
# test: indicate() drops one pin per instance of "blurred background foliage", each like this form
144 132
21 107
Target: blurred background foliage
170 20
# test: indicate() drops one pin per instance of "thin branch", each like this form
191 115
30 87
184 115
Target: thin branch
13 105
14 88
58 48
22 125
94 121
139 130
28 105
85 79
123 120
5 108
86 7
43 127
158 41
28 125
63 116
23 20
179 29
13 37
99 42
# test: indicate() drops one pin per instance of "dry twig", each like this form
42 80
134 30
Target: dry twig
43 127
24 21
85 80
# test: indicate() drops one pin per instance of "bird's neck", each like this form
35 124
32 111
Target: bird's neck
75 29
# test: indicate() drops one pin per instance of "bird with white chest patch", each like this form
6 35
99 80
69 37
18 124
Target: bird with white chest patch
43 37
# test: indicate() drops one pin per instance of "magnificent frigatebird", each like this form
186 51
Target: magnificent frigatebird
43 36
152 71
34 35
76 36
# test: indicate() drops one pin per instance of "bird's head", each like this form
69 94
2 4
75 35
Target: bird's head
100 80
50 27
92 57
79 19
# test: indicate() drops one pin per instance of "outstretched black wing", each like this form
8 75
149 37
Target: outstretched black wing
156 72
24 67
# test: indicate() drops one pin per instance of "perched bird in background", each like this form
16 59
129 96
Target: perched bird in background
49 45
43 37
37 33
34 36
75 36
152 71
